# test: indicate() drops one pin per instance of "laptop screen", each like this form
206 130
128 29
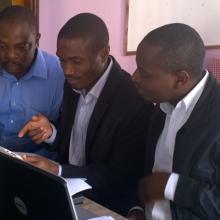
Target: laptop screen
27 192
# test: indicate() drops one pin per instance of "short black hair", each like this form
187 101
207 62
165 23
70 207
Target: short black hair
19 14
86 26
182 47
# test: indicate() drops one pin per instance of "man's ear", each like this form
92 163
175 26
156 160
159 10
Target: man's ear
38 38
182 77
105 53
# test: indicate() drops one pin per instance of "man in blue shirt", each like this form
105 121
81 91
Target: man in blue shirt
31 81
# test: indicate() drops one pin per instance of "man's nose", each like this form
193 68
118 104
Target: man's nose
68 69
11 53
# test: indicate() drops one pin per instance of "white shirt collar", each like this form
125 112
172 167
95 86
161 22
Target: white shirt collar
189 99
97 88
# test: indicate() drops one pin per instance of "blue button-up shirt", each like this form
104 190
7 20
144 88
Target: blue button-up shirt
39 91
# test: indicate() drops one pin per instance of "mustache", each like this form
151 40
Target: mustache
8 63
71 77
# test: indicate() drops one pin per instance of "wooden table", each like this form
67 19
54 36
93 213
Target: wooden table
100 210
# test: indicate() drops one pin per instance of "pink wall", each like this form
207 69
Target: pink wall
210 54
54 13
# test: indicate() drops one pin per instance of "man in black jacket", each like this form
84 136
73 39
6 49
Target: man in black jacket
104 119
182 179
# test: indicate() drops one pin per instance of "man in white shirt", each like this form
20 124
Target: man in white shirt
103 121
183 147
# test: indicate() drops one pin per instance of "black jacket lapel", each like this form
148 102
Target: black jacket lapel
186 149
103 102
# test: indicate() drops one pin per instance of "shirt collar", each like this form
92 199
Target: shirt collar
97 88
39 67
190 99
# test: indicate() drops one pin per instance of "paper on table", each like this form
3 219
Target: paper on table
102 218
76 185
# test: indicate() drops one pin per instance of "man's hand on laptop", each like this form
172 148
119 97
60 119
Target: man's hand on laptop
42 162
38 128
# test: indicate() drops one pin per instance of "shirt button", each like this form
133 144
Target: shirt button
14 103
17 83
12 121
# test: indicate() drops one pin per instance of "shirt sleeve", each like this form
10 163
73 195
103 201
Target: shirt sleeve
51 139
171 185
60 170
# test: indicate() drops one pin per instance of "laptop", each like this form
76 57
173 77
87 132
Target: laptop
30 193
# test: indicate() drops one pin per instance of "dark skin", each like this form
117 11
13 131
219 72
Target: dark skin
157 83
38 128
18 43
82 66
151 187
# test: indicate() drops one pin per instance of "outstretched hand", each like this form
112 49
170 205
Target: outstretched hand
38 128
